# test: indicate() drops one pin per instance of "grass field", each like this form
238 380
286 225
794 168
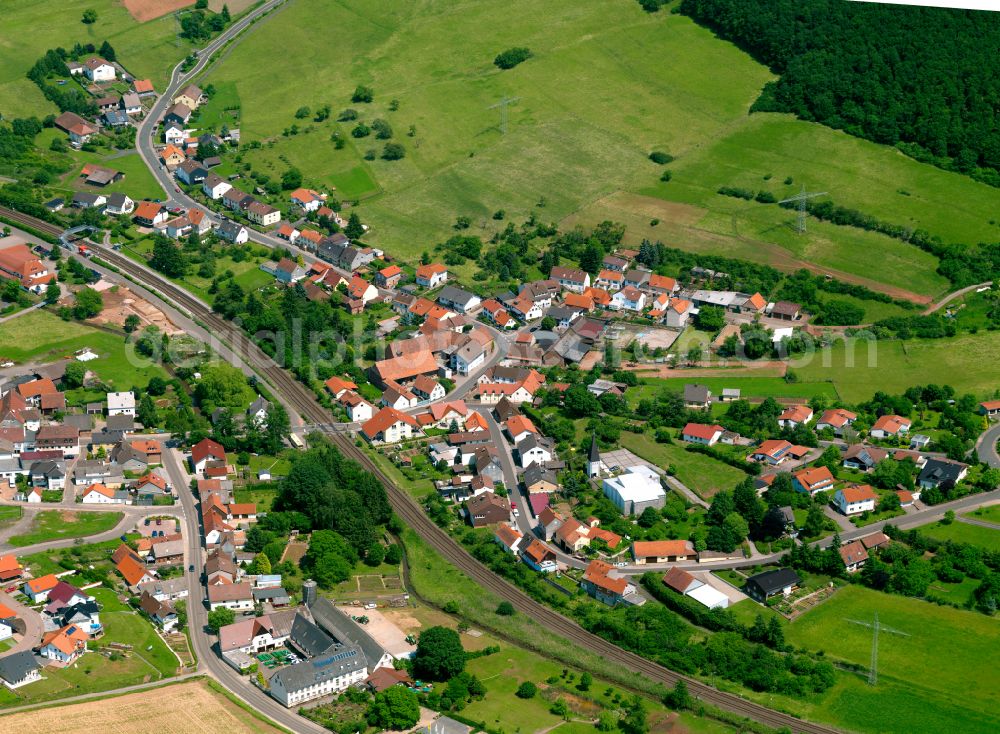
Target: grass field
948 650
59 524
989 514
434 60
183 707
966 362
750 387
9 515
963 532
146 50
42 336
703 474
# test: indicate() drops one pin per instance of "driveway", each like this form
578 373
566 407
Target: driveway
32 622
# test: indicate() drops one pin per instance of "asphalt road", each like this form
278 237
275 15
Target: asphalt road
197 607
986 446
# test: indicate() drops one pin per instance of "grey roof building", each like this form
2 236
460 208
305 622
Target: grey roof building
19 668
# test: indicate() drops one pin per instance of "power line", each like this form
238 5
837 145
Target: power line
876 627
503 104
800 200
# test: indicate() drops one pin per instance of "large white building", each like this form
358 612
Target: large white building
635 490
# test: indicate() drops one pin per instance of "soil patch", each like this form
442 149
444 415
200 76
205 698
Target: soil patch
143 10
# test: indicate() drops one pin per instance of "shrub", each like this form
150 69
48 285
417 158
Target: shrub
512 57
526 690
660 157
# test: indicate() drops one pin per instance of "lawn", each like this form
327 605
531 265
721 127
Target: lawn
751 387
948 650
59 524
246 272
989 514
150 658
436 63
858 369
42 336
963 532
702 473
9 514
138 181
146 50
261 495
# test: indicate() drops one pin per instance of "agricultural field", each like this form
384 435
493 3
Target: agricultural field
59 524
44 337
435 64
190 706
918 674
146 49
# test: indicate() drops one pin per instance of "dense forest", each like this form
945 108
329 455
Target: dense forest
922 78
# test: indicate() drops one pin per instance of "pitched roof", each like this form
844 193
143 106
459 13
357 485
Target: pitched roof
385 418
679 580
508 535
661 548
207 448
814 476
702 431
858 493
891 423
426 271
147 210
406 366
796 413
837 417
772 447
853 552
131 571
598 573
43 583
518 424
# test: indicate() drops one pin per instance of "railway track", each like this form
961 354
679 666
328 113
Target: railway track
304 402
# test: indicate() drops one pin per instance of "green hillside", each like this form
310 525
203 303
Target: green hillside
607 84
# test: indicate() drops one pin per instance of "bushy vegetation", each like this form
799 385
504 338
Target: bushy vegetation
512 57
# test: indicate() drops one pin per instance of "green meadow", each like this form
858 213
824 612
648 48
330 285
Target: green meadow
147 50
607 84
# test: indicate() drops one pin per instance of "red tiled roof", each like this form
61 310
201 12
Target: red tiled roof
383 419
702 431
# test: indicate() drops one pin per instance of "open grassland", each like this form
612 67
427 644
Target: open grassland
963 532
58 524
858 369
751 388
192 706
30 27
566 156
702 473
42 336
948 651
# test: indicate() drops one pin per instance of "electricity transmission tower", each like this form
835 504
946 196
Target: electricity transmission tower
800 200
503 104
876 627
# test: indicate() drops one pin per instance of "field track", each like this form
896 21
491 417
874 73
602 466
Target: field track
304 402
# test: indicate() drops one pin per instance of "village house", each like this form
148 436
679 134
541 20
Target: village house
508 538
389 426
64 645
863 457
836 420
763 586
697 397
662 551
855 500
486 509
78 129
307 199
204 451
263 214
389 276
942 473
773 452
854 555
238 597
190 96
234 232
629 298
795 416
119 204
215 187
603 582
97 69
431 276
706 435
19 263
888 426
813 480
572 279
